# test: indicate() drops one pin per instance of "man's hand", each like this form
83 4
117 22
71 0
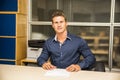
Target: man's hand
48 66
73 68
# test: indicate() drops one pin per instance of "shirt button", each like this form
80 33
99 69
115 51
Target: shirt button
61 54
60 61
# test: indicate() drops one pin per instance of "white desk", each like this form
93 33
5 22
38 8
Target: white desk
13 72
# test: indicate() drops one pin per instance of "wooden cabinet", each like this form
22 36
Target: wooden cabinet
13 27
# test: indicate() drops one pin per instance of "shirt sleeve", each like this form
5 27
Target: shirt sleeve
44 55
88 57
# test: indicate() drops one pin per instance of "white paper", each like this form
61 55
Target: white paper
57 72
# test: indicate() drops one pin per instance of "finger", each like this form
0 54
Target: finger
70 69
49 66
77 68
46 66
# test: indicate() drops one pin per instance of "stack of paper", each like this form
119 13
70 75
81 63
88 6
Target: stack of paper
57 72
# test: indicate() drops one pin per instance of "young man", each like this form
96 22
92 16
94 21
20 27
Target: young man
64 49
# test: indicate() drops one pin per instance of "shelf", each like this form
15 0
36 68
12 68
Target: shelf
7 60
7 37
8 12
90 44
99 51
12 36
26 60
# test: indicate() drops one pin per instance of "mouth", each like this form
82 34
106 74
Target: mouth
59 28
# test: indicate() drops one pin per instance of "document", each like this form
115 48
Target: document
57 72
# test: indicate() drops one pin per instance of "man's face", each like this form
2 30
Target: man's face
59 24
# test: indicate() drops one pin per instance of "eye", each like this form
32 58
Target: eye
61 21
55 22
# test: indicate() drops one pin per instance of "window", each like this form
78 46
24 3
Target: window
92 20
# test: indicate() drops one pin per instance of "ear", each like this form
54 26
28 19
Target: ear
66 24
52 25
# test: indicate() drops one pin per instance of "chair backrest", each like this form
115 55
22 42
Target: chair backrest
99 66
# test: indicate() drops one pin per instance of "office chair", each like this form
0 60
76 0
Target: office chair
98 66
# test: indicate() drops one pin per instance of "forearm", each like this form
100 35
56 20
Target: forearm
87 62
40 61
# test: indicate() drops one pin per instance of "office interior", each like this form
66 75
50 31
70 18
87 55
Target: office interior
96 21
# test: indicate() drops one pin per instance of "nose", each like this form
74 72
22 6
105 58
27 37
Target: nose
59 24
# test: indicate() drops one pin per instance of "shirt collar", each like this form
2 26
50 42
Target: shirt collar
68 37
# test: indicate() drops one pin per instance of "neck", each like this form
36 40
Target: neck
61 37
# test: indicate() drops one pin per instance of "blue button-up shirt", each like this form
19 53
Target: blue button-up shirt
67 53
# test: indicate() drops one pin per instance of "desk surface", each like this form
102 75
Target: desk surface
14 72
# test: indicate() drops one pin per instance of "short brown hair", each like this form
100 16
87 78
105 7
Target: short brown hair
58 13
